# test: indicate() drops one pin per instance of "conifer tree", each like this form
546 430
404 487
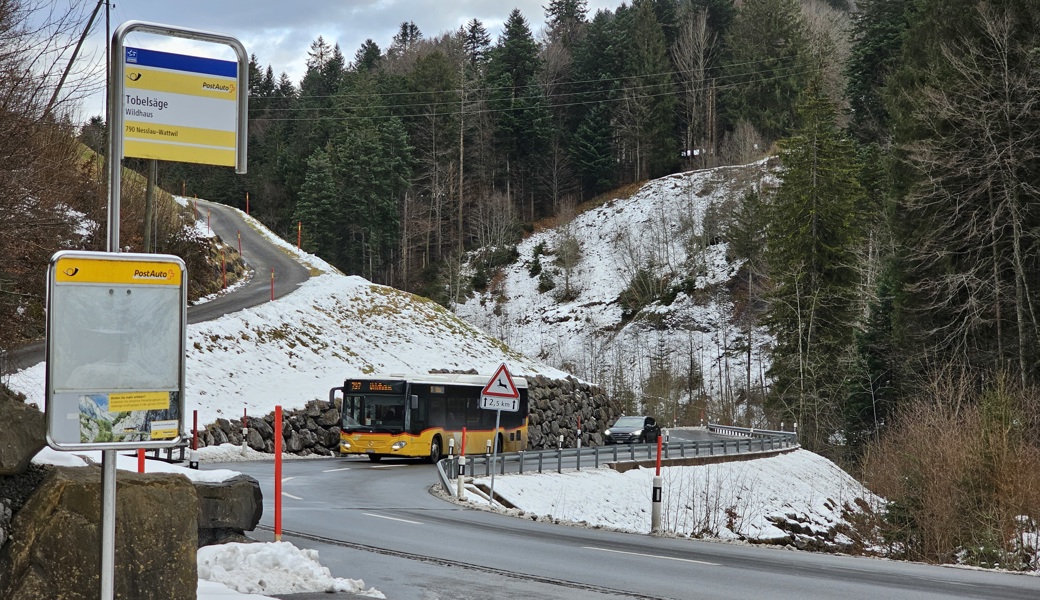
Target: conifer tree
372 162
878 28
519 107
766 66
316 208
812 240
646 114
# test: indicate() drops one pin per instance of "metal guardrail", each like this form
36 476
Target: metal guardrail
539 461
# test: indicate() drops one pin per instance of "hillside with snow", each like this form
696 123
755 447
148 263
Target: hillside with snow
663 243
296 348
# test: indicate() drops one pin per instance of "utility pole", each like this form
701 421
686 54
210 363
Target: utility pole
75 53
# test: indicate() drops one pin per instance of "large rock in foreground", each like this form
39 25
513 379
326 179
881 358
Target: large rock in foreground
54 552
25 434
228 509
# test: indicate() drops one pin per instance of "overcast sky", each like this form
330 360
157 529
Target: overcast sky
279 32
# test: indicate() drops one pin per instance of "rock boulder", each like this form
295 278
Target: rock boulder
54 551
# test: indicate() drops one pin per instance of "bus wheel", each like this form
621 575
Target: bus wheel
375 457
435 450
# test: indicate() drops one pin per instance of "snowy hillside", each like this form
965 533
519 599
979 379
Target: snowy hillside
666 235
293 350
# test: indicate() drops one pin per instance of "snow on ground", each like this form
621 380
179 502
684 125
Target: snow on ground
660 230
287 353
332 327
728 501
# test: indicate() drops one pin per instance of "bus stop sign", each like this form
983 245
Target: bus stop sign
116 328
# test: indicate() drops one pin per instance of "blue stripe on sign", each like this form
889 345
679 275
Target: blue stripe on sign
180 62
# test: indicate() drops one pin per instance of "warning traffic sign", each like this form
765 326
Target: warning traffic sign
500 393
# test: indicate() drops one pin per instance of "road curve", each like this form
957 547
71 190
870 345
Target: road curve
259 254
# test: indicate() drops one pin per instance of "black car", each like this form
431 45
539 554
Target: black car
633 430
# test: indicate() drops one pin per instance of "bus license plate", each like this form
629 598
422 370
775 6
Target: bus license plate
370 451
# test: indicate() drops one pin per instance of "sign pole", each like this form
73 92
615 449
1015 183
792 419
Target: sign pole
108 524
115 120
494 456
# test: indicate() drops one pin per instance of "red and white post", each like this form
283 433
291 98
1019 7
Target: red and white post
461 491
655 514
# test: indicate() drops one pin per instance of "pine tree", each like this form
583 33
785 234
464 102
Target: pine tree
647 111
521 114
812 241
372 162
593 151
598 71
316 207
766 66
877 32
476 41
564 20
367 56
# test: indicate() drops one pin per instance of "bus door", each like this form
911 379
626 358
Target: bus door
352 411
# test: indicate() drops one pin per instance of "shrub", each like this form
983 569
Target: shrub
959 472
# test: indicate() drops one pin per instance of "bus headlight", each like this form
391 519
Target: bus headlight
398 445
344 445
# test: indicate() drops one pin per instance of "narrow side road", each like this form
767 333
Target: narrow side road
260 255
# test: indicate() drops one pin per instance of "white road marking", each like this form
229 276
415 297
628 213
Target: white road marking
391 518
284 479
389 466
334 470
696 562
291 496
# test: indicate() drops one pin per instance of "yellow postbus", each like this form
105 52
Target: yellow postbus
418 415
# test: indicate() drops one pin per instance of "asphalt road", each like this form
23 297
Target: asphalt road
378 522
259 254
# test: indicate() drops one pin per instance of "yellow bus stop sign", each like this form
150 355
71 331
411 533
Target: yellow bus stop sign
116 329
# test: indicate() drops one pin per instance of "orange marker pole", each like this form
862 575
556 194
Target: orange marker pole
247 203
299 233
278 473
223 269
209 213
240 242
272 284
140 460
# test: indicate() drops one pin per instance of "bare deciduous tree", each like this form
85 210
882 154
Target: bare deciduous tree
692 53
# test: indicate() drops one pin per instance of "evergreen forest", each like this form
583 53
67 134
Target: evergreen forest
896 263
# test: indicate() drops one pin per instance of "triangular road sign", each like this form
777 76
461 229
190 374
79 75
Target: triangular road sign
501 385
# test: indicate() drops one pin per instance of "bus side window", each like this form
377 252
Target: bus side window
456 418
436 414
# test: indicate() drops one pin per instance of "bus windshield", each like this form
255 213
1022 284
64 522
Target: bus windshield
376 413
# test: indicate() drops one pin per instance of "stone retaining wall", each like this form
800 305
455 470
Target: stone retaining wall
556 405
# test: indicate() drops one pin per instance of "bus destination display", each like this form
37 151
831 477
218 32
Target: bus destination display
378 387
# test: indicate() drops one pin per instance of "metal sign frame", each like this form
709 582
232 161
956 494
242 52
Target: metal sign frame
110 367
116 112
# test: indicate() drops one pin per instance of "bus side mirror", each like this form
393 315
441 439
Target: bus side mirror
415 402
